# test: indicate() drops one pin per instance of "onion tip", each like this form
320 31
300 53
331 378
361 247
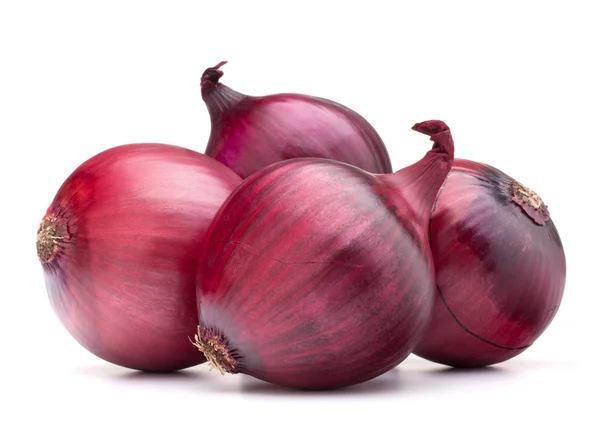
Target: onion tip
215 349
212 75
440 134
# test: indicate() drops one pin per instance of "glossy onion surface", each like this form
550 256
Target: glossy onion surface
316 274
249 133
119 245
500 268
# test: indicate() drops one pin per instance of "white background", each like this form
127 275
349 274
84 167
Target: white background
517 82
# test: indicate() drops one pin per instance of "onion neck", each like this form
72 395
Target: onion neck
419 184
216 350
219 98
51 233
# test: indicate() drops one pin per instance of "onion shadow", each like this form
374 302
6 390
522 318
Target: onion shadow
124 375
182 377
389 382
445 378
454 372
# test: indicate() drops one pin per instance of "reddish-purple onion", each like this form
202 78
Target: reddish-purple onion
249 132
316 274
500 268
118 247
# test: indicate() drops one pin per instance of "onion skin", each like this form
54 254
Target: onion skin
500 269
316 274
118 247
249 133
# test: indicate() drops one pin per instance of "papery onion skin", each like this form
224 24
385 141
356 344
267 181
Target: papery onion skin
500 269
119 245
249 133
316 274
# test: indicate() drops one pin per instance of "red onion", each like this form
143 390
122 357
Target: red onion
316 274
500 268
119 244
249 133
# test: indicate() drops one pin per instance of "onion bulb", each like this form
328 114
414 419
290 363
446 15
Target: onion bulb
316 274
118 247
